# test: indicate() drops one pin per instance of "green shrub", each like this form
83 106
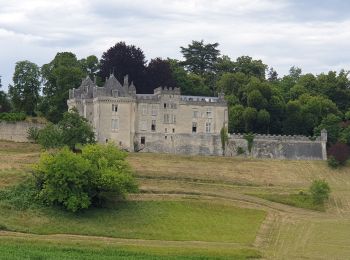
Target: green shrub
70 131
332 162
12 117
240 150
21 196
50 136
250 139
319 191
33 134
77 181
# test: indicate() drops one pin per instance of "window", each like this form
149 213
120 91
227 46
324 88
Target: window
173 119
114 108
164 105
144 109
143 140
143 125
194 127
153 126
195 114
166 137
115 124
173 106
166 130
166 118
173 130
207 127
209 113
154 110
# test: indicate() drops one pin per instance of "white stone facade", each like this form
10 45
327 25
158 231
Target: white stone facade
164 121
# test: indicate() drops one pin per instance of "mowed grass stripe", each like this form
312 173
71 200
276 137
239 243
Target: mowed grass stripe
160 220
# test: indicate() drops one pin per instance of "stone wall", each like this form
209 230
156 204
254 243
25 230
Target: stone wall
264 146
16 131
280 147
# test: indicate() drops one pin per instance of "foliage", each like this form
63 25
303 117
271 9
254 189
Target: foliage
78 181
50 136
12 117
90 66
5 105
332 162
21 196
73 129
240 150
122 59
300 200
340 152
24 93
33 134
250 139
320 191
200 57
159 74
224 139
63 73
332 124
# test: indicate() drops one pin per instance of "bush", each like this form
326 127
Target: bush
340 152
319 190
71 130
33 134
12 117
240 150
50 136
77 181
332 162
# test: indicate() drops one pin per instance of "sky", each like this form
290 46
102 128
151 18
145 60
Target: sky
313 35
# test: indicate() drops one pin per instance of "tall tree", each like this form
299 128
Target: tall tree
64 72
199 57
250 67
90 65
24 93
159 73
121 60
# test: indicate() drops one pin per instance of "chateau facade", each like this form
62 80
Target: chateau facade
164 121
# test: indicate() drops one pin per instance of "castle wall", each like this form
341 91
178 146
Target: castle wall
16 131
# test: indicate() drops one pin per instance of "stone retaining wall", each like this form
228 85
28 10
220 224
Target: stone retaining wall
16 131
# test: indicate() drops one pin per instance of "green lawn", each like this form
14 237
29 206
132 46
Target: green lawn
160 220
49 250
296 200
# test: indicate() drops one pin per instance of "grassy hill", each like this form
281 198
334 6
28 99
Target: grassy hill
188 208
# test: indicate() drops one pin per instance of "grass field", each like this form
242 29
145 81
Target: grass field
194 207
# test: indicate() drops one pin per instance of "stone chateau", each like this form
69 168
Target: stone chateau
169 122
164 121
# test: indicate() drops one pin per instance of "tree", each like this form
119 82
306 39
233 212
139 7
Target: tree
24 93
159 74
250 67
75 129
5 105
63 73
319 190
77 181
236 122
90 65
332 124
272 75
340 152
256 99
121 60
199 57
249 115
263 121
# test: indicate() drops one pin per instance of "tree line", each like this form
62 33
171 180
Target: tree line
259 100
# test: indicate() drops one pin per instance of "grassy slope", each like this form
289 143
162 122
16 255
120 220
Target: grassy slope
161 220
289 233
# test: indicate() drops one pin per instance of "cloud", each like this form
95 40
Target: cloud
282 33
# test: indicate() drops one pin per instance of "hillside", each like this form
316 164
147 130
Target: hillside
189 207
